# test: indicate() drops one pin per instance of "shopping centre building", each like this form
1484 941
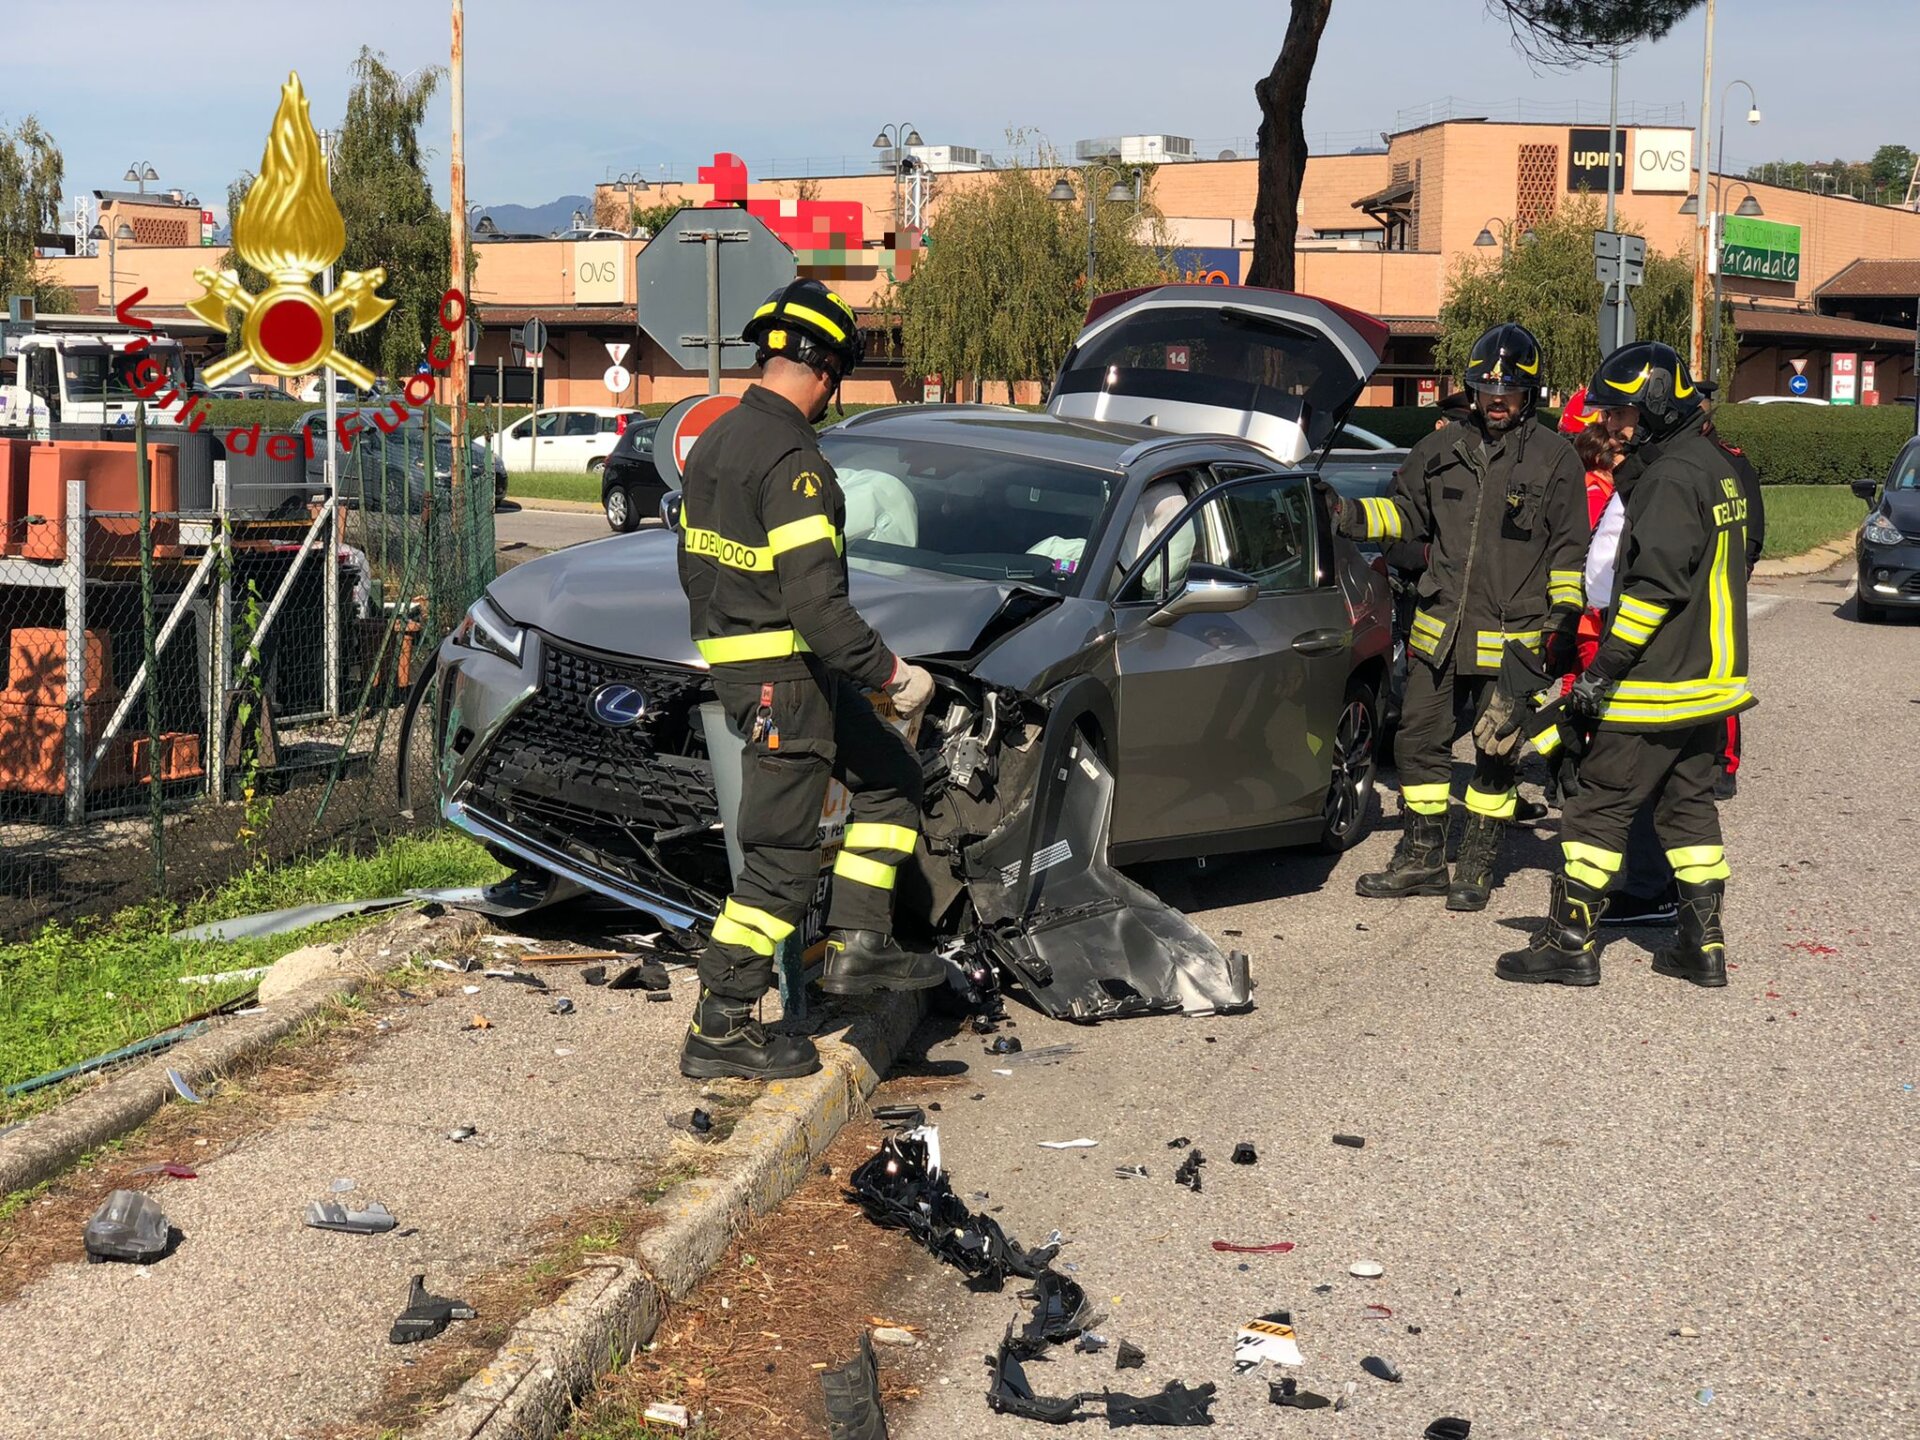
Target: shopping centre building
1822 286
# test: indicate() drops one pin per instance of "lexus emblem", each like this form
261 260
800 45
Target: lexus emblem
618 706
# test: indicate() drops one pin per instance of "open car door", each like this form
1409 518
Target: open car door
1279 369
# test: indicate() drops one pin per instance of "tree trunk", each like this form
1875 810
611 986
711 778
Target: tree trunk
1283 146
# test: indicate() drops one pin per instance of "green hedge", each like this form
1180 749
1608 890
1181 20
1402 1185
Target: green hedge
1788 444
1817 444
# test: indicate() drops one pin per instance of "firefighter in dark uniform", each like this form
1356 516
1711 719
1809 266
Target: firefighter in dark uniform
1498 503
762 562
1651 710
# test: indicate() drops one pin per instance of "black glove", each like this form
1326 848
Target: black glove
1589 695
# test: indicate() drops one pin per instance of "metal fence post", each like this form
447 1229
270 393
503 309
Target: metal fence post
220 661
76 586
330 589
156 762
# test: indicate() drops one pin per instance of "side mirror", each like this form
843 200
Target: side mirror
1866 489
1206 596
670 509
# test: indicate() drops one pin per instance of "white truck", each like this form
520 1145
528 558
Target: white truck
82 379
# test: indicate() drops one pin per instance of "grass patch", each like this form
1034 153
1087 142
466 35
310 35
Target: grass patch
551 485
73 992
1804 517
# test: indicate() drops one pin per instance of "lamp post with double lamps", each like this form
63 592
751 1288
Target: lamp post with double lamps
1487 236
897 138
1749 208
113 237
1119 194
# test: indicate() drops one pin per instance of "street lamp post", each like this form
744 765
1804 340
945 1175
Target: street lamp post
1702 236
1118 194
897 138
141 171
1486 237
113 237
1749 207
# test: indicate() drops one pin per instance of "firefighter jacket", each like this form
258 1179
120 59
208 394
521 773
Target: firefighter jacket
1676 633
762 555
1749 479
1504 520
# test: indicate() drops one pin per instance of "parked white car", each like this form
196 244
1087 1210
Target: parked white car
568 438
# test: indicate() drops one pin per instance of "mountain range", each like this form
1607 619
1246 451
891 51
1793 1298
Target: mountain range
539 219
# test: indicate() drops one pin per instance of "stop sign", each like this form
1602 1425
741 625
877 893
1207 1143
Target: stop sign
684 424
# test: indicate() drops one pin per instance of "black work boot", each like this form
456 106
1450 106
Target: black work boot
727 1042
1473 870
1419 863
860 962
1701 955
1561 951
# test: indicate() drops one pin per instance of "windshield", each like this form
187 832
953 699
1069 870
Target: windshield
1908 475
107 374
962 511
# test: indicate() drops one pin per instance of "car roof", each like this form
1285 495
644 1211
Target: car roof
1100 444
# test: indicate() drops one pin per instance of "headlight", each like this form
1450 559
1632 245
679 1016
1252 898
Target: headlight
484 628
1880 530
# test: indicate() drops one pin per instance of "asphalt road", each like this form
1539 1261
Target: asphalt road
542 530
1635 1211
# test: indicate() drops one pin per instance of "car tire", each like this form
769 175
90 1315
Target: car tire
1356 763
623 515
1867 613
596 464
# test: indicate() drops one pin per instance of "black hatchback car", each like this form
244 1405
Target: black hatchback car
631 488
1888 546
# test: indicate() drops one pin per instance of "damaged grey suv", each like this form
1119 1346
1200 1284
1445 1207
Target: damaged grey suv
1147 640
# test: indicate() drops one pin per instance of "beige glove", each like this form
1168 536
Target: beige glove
911 688
1497 731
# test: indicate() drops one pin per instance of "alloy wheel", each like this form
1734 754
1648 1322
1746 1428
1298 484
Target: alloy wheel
617 508
1351 779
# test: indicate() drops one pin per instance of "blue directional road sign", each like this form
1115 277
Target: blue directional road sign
1798 385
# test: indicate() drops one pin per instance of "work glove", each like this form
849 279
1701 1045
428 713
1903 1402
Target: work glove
1497 732
910 689
1588 696
1561 650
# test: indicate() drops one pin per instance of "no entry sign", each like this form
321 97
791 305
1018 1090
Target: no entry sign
684 424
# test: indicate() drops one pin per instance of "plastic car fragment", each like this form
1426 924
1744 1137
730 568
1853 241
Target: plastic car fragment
376 1219
1267 1338
1278 1247
646 975
1129 1356
1087 943
902 1187
852 1394
1176 1404
426 1315
1011 1393
1286 1391
129 1225
1060 1313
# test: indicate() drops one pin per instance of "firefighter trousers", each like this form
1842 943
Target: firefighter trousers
800 734
1672 771
1438 706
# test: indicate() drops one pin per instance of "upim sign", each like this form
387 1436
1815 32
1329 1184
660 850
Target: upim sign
1589 159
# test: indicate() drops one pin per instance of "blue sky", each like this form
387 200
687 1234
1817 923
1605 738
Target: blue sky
561 93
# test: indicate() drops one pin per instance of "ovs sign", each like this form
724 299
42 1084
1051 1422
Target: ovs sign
1662 162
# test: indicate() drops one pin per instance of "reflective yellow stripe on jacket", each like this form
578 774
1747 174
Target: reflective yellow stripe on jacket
1426 633
1636 620
1491 645
768 645
1674 702
1383 519
1566 587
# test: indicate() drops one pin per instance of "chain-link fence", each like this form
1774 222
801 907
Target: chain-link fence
207 648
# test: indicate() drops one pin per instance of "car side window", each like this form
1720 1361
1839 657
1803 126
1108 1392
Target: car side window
581 425
609 424
1151 527
548 425
1270 532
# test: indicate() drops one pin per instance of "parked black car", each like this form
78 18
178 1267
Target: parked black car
630 487
1888 547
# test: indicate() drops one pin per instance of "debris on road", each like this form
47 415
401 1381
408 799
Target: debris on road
182 1088
426 1315
1179 1142
226 977
130 1226
1347 1392
648 975
1011 1393
1287 1391
1367 1269
900 1117
1245 1154
903 1187
517 977
893 1335
562 1005
1448 1427
594 974
171 1170
698 1124
1129 1356
466 964
283 922
1268 1338
478 1022
1083 1143
674 1417
1189 1172
1061 1312
1174 1405
1356 1142
1278 1247
1090 1343
376 1219
1376 1312
1131 1172
852 1394
460 1134
1004 1045
1381 1369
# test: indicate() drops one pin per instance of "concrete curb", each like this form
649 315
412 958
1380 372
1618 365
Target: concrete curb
553 1356
49 1143
1811 562
571 507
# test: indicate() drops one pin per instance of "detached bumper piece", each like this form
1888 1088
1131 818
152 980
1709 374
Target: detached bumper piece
901 1188
852 1394
1011 1393
1087 943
